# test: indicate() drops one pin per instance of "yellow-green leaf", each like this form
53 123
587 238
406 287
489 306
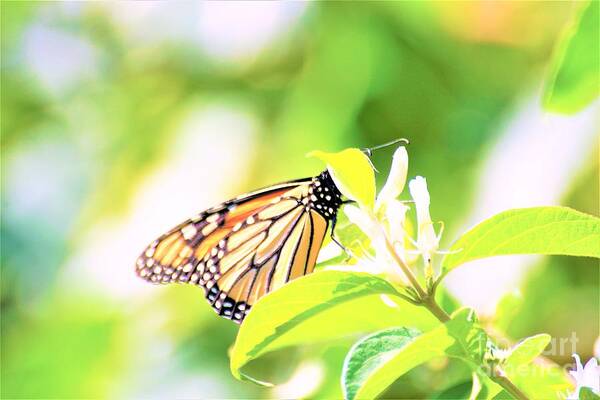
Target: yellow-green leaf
322 306
371 353
402 350
537 230
585 393
527 350
352 173
540 381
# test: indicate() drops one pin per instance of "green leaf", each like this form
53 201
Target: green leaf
543 380
538 230
373 380
480 387
585 393
322 306
503 395
421 349
352 173
471 339
527 350
489 389
540 381
575 81
370 353
459 391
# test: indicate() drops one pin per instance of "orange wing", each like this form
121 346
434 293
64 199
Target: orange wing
241 250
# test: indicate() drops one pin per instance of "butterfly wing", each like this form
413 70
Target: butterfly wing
241 250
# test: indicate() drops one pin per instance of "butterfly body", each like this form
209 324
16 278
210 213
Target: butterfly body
248 246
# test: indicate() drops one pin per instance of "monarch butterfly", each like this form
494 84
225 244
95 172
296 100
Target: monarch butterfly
249 246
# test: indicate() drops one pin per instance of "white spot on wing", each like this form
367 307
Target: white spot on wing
189 231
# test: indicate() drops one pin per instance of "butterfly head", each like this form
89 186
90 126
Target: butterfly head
325 197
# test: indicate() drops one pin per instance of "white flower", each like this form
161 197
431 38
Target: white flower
396 180
367 223
395 216
375 230
427 241
387 208
588 376
386 221
384 224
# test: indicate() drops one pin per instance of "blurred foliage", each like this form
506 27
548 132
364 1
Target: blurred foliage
95 98
576 77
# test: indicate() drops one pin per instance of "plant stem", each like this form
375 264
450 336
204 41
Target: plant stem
411 277
497 375
501 379
427 299
435 309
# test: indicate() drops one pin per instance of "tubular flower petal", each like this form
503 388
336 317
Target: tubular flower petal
369 225
395 213
427 240
374 229
364 221
396 179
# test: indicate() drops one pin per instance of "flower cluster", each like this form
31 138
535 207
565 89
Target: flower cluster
403 248
385 223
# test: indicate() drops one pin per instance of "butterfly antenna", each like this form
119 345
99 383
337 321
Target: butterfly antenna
369 150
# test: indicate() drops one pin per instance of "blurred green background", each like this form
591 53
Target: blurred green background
121 119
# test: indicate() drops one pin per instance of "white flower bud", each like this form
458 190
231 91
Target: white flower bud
427 240
395 213
396 178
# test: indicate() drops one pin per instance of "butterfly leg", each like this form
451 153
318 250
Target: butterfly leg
334 239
